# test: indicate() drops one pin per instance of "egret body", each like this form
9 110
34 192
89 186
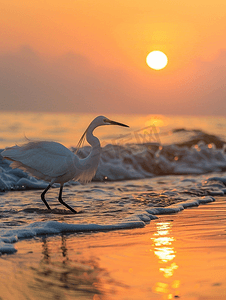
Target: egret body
54 163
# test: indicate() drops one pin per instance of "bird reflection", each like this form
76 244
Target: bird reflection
45 251
64 247
56 276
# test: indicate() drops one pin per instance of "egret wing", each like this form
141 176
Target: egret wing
49 159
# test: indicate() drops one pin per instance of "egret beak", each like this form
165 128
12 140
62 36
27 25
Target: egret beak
116 123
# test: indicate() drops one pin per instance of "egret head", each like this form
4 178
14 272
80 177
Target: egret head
98 121
101 120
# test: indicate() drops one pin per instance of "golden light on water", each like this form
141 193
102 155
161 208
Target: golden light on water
165 254
168 271
157 120
164 250
157 60
163 243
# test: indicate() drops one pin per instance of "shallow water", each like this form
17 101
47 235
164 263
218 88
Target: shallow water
179 256
100 206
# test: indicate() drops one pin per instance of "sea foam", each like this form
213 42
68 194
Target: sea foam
9 236
132 162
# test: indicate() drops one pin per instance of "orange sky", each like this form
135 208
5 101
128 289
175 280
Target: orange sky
89 56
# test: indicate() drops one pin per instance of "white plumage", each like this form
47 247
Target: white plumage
53 162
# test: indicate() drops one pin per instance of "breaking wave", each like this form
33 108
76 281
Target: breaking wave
196 153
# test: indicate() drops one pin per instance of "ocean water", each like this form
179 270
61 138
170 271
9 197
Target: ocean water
160 165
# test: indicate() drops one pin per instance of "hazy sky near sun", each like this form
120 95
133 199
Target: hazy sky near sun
89 56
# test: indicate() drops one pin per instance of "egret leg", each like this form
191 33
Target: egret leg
43 196
62 202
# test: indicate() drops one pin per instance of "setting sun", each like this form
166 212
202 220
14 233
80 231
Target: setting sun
156 60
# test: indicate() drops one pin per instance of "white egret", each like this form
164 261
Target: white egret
54 163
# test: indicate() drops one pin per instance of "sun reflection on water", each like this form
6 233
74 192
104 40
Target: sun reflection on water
168 271
163 247
165 254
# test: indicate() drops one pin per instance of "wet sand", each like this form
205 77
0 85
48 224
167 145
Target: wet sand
178 256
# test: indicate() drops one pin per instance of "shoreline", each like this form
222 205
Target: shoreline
176 256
